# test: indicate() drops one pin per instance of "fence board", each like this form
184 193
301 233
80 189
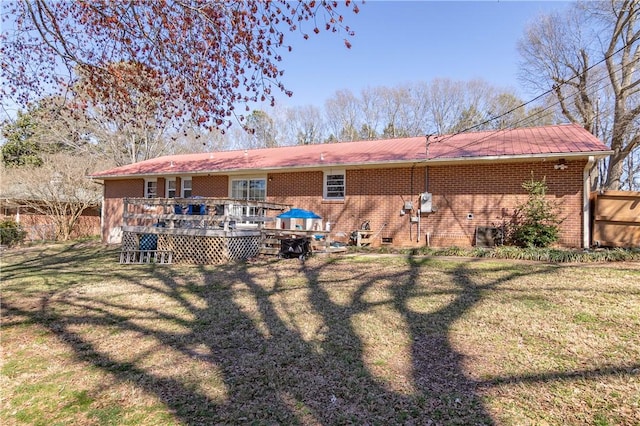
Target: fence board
617 219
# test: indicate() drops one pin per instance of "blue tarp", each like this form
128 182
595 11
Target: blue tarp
298 214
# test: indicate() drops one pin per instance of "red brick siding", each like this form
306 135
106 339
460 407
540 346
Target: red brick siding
489 192
374 195
124 188
161 188
210 186
114 192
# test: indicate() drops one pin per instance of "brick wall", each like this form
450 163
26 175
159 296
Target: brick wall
469 196
464 197
210 186
43 227
162 187
114 192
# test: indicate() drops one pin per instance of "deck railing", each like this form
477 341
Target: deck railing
205 230
199 213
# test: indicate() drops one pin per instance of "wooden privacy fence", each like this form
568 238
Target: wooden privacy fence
616 221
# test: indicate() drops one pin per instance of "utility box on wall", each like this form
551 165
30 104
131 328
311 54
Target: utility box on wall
426 204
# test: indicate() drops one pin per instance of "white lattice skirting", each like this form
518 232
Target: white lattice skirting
195 249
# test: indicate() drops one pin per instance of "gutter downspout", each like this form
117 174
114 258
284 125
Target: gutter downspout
586 189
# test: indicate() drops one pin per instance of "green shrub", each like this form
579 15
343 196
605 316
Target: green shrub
481 252
536 221
451 251
11 232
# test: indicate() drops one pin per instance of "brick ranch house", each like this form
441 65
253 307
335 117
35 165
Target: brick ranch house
436 190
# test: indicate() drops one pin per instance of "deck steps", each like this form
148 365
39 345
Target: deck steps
146 256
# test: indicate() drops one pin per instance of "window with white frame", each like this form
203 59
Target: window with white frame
250 189
334 185
171 188
254 189
186 187
150 188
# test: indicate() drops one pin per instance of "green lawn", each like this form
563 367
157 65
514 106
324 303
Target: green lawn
350 339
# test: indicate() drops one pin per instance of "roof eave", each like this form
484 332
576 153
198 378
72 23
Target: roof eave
394 163
521 157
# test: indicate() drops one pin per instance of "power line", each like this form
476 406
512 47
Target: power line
528 118
531 100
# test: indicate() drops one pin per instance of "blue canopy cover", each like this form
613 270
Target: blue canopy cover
298 214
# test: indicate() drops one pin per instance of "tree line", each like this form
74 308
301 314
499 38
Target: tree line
112 86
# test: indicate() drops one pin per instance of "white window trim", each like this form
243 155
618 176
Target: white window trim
251 177
324 184
182 188
248 178
146 188
166 187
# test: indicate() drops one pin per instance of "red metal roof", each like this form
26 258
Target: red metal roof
557 140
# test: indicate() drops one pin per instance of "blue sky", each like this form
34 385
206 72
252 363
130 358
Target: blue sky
400 42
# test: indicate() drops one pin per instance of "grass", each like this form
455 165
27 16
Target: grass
356 339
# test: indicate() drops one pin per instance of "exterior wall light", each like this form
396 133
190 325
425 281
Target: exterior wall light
562 165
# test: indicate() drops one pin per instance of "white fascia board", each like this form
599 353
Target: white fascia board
396 163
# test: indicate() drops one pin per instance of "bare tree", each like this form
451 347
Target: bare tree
303 125
262 130
565 52
418 107
622 59
396 111
196 139
371 99
446 100
343 112
439 107
57 189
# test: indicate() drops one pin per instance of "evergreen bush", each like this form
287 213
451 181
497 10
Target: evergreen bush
11 232
536 222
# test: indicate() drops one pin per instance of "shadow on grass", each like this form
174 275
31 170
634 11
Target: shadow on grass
282 359
45 260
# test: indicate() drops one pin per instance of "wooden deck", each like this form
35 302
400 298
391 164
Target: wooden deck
206 231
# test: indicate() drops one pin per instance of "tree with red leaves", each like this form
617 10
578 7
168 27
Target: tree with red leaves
199 58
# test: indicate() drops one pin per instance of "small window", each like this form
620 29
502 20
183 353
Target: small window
171 188
150 188
186 187
334 185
